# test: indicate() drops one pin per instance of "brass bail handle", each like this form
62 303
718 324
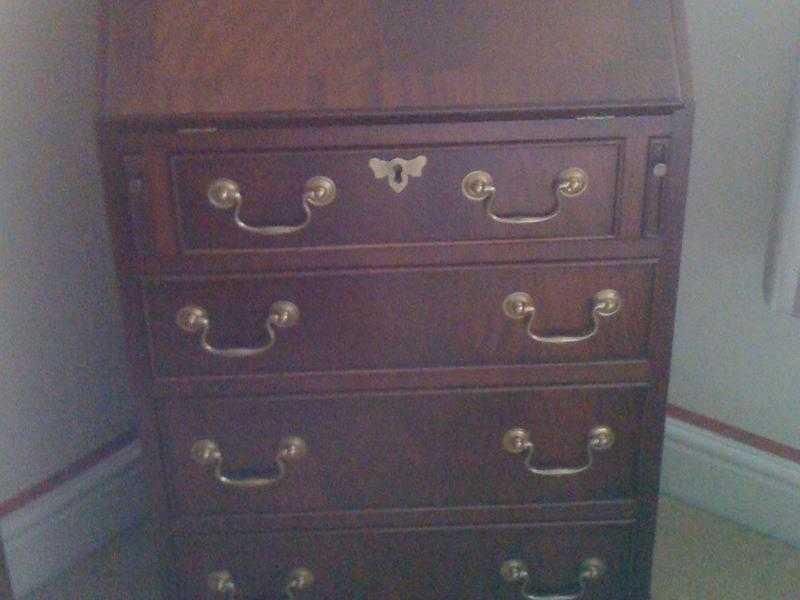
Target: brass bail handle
207 453
519 306
515 571
195 319
225 194
478 186
222 584
518 440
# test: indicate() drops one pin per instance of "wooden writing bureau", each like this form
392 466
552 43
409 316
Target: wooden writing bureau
399 280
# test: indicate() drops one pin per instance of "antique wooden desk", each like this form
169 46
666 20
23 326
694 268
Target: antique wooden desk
399 281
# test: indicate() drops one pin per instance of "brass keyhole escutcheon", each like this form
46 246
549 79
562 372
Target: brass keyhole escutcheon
398 174
398 170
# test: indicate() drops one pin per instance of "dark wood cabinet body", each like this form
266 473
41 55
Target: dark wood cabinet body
420 318
438 449
403 373
427 564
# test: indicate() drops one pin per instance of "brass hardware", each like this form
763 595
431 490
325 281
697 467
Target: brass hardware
660 170
515 571
207 454
518 440
572 182
398 170
519 305
225 194
478 186
195 319
221 583
300 579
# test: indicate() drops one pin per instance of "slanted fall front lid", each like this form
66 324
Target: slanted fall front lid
191 58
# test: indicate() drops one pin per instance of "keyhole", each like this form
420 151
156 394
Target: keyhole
398 174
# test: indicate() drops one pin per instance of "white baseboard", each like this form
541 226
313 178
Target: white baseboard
47 536
725 477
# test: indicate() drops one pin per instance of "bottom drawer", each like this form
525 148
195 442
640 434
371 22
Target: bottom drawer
566 561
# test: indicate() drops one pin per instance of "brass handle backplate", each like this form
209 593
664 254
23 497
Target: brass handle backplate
207 454
222 584
516 572
519 305
518 440
195 319
225 194
478 186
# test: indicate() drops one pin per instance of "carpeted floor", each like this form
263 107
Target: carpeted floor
698 557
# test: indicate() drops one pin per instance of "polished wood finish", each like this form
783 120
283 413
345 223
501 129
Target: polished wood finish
520 514
403 371
306 58
431 208
413 563
421 450
162 228
401 319
621 371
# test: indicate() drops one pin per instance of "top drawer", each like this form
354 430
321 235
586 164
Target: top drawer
346 189
389 195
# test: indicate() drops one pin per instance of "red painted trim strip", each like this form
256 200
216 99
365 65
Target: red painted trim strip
66 474
734 433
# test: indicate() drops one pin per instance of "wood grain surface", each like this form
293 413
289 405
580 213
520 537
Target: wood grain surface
409 451
405 563
403 369
412 318
307 58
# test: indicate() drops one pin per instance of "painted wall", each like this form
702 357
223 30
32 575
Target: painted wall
734 360
61 393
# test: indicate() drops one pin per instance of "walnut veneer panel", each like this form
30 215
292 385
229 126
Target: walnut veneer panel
403 371
421 564
176 227
400 319
234 57
430 207
423 450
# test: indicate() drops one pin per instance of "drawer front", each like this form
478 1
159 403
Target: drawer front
589 561
402 319
448 449
566 189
